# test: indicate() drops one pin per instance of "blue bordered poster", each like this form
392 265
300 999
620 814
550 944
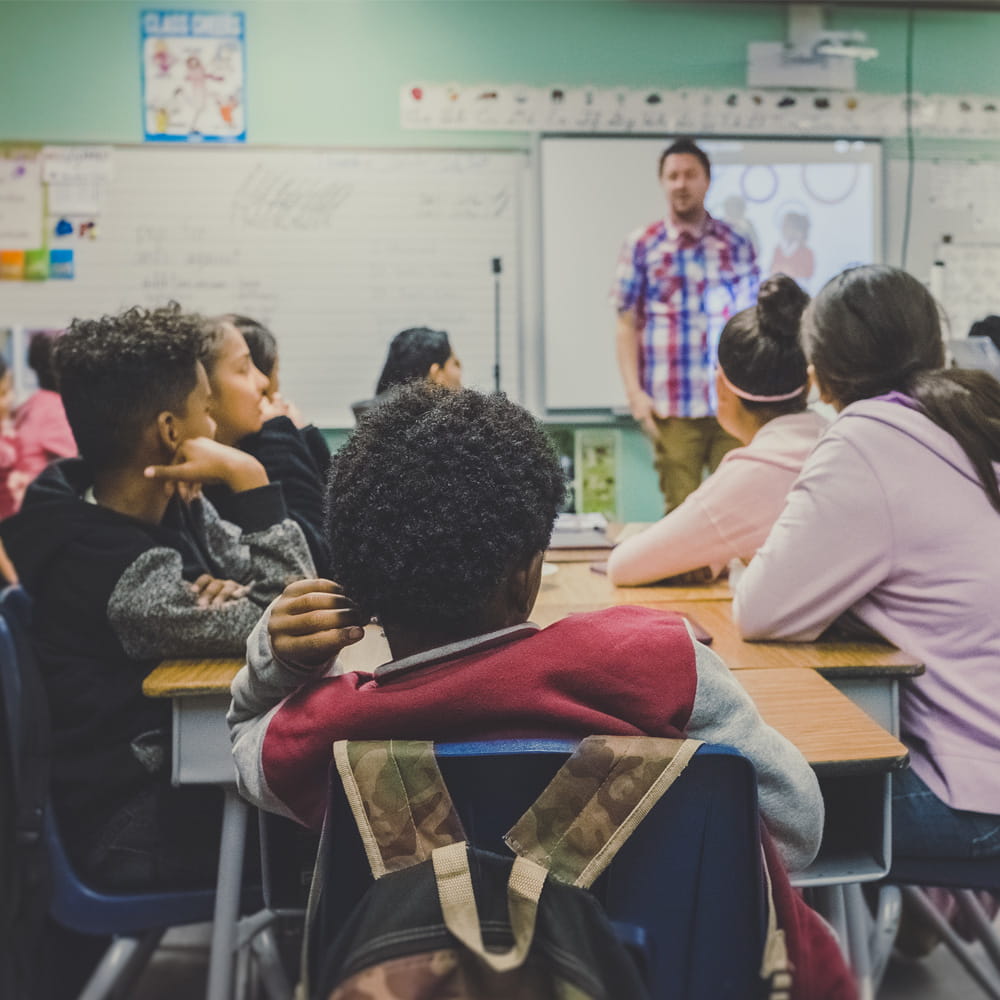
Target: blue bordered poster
193 76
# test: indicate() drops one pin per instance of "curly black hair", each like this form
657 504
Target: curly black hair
117 373
434 499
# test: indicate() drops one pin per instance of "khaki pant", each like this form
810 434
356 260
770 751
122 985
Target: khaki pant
683 449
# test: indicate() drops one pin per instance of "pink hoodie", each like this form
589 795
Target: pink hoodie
43 432
730 514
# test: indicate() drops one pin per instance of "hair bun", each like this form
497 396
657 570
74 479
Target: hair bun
780 304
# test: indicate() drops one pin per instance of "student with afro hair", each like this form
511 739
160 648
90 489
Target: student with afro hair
441 505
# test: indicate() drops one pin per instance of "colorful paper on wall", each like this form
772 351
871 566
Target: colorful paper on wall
193 76
61 264
20 200
36 264
11 265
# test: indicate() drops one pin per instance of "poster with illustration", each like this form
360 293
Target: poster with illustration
193 76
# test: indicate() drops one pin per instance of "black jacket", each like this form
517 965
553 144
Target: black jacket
280 447
111 598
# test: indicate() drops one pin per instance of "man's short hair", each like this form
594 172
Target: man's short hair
689 146
434 499
117 373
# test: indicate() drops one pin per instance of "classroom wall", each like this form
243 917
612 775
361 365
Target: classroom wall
329 73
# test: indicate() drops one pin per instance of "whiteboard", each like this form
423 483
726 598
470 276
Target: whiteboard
595 191
335 251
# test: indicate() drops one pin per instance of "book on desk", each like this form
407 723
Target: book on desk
579 537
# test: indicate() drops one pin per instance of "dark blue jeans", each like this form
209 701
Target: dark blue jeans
925 827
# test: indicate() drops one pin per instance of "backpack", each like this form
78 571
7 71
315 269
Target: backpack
445 919
24 786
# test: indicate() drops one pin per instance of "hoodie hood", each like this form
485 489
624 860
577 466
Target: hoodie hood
54 516
905 415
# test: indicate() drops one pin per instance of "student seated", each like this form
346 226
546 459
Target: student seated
238 407
441 507
10 446
40 421
100 545
896 520
416 354
762 386
988 326
263 349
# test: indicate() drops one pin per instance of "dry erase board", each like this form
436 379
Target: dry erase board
596 190
336 251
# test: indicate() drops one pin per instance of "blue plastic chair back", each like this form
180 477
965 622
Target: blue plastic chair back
73 904
686 888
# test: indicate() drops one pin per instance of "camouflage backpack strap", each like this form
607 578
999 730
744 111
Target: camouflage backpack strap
399 801
594 802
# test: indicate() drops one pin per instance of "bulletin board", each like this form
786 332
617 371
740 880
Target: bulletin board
335 251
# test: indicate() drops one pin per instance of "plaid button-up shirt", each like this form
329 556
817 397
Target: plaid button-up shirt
683 287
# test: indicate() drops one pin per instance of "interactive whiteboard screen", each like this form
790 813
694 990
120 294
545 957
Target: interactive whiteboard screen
811 209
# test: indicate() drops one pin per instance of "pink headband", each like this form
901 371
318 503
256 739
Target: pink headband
761 399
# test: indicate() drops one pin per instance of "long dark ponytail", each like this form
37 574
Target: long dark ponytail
875 329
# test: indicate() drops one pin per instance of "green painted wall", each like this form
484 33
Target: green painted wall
329 73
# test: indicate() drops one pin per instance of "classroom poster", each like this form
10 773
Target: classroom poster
597 471
193 76
77 181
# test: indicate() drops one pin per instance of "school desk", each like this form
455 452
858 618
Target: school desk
851 753
202 755
867 671
577 583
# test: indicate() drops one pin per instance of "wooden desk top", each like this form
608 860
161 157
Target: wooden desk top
180 678
837 658
832 733
577 583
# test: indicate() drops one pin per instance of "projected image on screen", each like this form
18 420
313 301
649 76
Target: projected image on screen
808 221
811 208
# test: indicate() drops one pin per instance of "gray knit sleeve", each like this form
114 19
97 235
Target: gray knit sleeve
788 792
154 612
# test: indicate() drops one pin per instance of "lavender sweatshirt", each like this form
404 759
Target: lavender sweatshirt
889 519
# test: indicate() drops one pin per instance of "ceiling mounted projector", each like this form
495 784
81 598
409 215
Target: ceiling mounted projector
813 56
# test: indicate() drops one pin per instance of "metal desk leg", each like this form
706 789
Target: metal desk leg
227 897
858 936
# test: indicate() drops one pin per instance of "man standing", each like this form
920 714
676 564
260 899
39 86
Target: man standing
677 283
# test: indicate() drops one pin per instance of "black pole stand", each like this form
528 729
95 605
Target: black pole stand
497 271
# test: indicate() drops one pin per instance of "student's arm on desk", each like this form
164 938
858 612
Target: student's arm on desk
789 795
686 539
155 613
311 622
830 547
